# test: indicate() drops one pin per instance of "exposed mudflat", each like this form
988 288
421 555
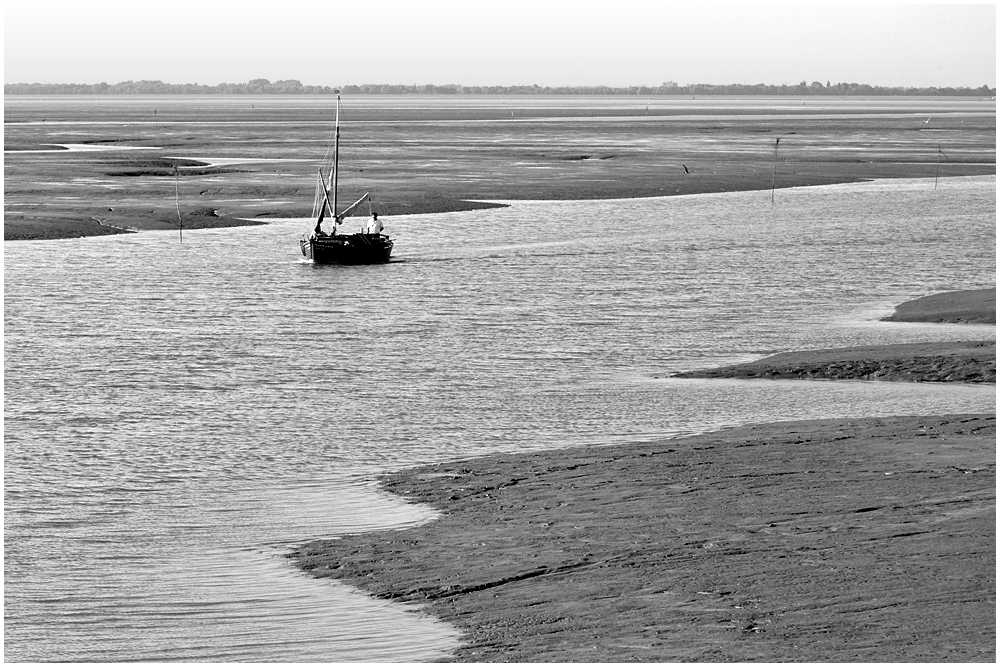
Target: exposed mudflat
961 361
256 157
825 541
977 306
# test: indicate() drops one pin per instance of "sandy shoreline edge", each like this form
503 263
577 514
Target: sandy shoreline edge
830 540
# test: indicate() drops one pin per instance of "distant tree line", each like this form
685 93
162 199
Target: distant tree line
255 87
293 87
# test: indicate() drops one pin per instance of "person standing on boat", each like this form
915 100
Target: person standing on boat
376 224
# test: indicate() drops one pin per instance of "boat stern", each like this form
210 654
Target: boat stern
306 245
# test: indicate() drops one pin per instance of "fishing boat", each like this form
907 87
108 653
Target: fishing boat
368 246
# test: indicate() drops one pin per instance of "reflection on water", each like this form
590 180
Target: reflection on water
178 413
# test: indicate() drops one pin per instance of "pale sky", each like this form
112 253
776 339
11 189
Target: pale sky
498 42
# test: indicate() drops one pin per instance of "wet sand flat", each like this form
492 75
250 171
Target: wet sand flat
823 541
965 306
256 158
960 361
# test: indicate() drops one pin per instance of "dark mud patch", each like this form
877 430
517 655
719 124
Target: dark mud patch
123 141
142 218
34 147
578 157
50 226
168 167
159 163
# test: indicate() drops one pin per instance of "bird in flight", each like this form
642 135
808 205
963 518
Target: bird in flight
685 169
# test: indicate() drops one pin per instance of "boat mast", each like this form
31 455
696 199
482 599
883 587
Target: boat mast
336 159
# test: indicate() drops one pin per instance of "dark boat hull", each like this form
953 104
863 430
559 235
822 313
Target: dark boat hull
347 249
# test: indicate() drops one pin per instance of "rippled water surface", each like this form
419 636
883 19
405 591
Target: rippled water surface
177 414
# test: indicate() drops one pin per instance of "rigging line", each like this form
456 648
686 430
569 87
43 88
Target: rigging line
328 156
351 175
353 179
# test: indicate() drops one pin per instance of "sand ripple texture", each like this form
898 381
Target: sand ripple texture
969 362
177 415
825 541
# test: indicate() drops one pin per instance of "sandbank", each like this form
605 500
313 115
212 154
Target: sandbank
978 306
959 361
823 541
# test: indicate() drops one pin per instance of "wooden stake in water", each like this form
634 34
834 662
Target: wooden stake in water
774 172
177 205
937 165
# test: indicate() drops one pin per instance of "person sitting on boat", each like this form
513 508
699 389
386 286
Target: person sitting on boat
376 224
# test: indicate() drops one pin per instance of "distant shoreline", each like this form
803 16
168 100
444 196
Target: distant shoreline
295 87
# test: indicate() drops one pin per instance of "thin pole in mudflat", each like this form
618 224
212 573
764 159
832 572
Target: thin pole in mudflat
177 204
937 165
774 172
